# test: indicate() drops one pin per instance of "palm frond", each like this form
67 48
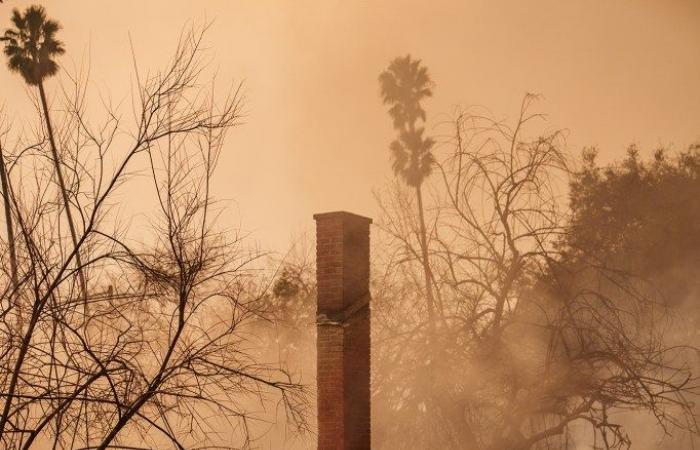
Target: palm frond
31 45
399 155
403 86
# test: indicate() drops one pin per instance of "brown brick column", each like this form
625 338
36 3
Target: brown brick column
343 342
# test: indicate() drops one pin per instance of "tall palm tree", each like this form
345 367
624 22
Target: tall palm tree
8 220
30 47
404 85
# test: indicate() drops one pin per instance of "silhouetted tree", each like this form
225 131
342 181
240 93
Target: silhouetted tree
31 47
404 86
164 356
530 347
641 216
8 218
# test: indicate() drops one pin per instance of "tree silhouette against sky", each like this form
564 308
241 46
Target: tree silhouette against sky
404 85
31 47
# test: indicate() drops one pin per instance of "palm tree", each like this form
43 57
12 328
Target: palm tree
30 47
8 220
404 85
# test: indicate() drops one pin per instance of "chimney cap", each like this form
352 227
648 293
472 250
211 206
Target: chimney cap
341 215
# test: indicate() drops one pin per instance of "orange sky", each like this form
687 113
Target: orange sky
316 134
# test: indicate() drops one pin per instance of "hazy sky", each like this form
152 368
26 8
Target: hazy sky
316 134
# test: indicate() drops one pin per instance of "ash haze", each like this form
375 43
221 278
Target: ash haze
315 136
530 169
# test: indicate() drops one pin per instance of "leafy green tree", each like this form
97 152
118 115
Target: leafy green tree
31 46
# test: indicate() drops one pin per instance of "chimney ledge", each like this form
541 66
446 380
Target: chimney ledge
341 214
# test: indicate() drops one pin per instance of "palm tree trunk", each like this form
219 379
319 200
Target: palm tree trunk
425 261
433 349
64 193
8 221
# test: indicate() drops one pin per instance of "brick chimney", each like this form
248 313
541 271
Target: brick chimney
343 341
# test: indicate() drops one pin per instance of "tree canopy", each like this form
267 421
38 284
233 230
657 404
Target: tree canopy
642 216
31 45
404 85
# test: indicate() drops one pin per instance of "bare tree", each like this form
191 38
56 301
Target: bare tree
30 47
531 345
164 357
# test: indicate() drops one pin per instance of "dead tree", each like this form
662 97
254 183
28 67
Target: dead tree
529 343
163 358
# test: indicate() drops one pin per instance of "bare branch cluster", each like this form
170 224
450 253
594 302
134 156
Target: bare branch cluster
531 344
160 352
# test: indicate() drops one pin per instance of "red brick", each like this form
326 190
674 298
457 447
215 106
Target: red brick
343 343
